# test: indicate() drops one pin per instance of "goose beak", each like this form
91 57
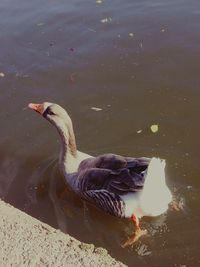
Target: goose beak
37 107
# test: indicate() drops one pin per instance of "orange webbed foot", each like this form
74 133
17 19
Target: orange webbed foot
177 206
131 240
136 235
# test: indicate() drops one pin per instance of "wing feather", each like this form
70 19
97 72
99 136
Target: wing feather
116 174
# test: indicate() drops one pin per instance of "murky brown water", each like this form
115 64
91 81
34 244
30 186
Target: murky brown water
137 60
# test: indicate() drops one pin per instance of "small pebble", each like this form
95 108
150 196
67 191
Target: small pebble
101 251
86 247
189 187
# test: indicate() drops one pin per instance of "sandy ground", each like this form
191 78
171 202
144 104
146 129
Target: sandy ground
25 241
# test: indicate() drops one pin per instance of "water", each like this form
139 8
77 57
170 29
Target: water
139 62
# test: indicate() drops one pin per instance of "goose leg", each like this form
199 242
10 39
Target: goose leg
137 234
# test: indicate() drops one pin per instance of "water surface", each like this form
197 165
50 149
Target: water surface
137 60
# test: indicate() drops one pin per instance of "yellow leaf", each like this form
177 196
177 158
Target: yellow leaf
154 128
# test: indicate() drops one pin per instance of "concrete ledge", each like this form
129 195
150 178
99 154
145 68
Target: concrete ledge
26 241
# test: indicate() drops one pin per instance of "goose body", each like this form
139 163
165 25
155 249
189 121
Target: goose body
121 186
136 187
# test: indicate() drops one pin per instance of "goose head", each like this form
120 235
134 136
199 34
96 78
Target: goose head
52 112
59 117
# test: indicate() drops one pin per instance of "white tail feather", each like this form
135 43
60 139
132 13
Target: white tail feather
155 173
156 195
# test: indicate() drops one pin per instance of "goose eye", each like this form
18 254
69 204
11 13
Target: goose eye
49 111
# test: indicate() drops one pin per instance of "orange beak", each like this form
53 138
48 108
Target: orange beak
37 107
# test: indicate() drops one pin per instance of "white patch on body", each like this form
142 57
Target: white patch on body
132 204
153 200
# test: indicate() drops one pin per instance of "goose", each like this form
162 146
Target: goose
122 186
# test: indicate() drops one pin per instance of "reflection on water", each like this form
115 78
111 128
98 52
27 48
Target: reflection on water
136 60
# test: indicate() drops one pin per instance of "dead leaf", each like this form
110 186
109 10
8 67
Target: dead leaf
96 109
92 30
40 24
106 20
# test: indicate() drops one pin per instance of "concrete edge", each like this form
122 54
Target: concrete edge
25 241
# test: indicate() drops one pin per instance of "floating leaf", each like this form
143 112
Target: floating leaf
40 24
154 128
106 20
92 30
96 109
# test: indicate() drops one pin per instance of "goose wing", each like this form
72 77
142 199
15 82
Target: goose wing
113 173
